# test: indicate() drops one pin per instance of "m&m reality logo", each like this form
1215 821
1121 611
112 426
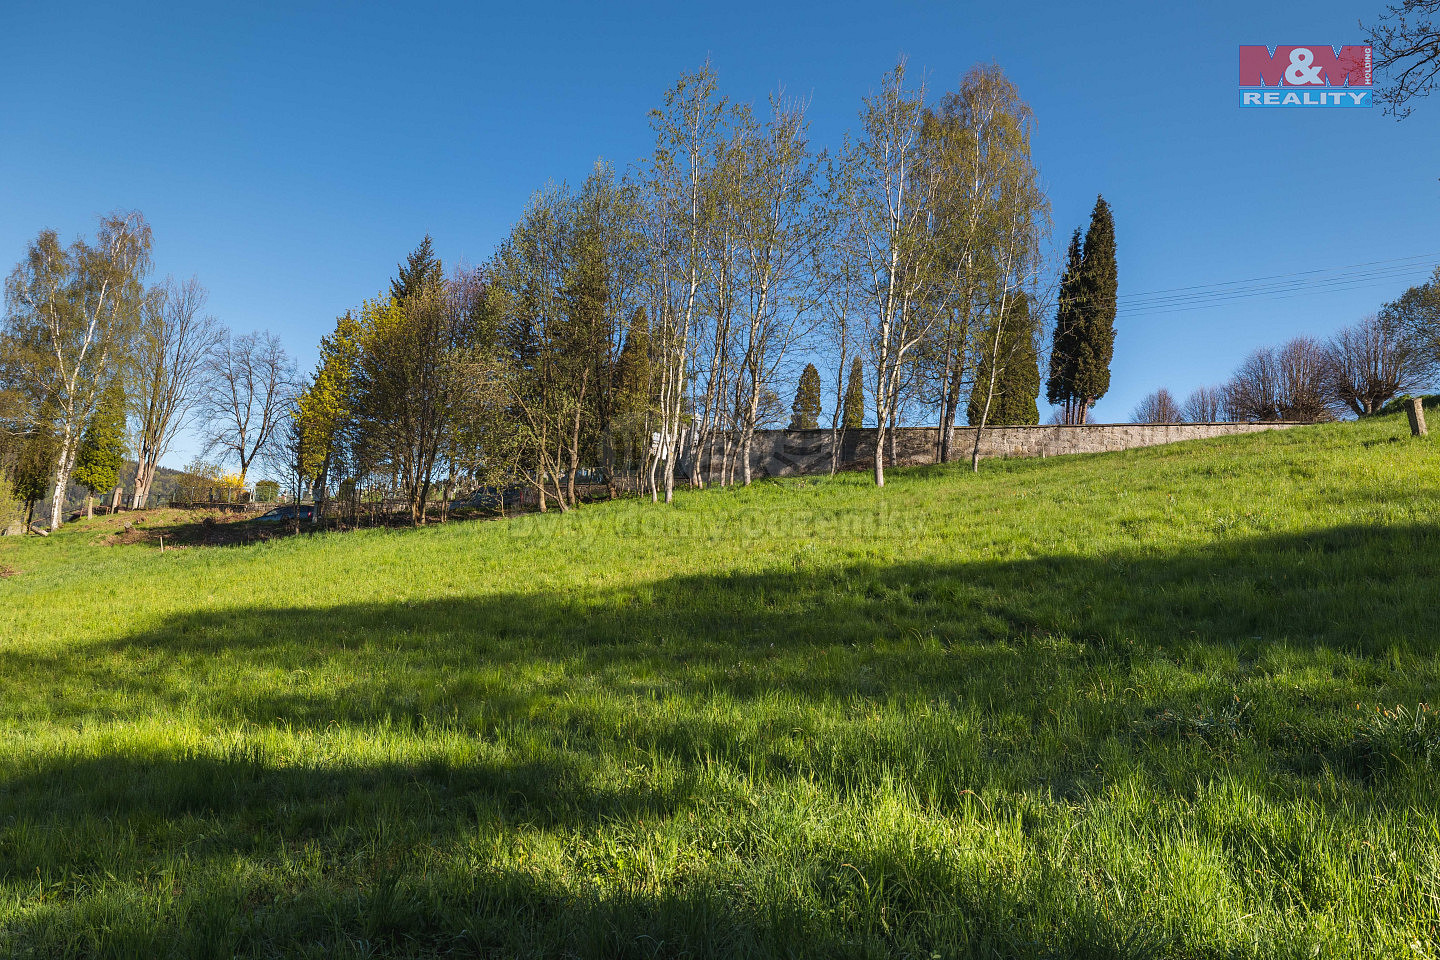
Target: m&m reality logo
1315 75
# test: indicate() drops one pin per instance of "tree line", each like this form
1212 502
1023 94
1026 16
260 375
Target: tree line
637 330
632 332
96 367
1357 371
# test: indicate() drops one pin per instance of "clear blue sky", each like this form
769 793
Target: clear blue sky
290 154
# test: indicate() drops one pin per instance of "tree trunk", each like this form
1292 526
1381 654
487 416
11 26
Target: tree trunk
894 422
879 456
63 467
144 476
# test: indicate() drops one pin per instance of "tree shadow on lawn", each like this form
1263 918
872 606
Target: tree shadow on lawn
1354 600
868 901
1051 677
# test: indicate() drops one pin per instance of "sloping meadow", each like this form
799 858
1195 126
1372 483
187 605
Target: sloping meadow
1168 702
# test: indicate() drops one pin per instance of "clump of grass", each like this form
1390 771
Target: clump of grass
1407 736
1229 723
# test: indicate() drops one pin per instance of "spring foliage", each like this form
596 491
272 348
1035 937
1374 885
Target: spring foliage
102 448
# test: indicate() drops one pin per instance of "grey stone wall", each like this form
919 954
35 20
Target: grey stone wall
778 453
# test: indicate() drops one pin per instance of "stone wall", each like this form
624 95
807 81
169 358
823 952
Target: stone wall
777 453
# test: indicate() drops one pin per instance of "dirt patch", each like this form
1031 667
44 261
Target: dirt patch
180 529
7 572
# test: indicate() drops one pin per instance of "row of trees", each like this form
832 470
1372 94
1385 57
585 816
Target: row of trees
1357 371
641 326
96 368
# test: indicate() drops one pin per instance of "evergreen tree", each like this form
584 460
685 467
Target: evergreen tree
420 270
854 415
1095 297
1060 387
806 409
1017 384
102 448
634 394
34 469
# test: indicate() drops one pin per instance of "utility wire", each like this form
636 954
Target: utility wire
1278 286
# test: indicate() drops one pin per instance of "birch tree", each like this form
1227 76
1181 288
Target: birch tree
1006 219
894 236
979 138
778 227
678 181
75 311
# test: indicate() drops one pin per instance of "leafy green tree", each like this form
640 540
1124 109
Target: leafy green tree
806 409
1060 387
324 410
1416 314
1095 301
854 417
102 447
1017 382
74 310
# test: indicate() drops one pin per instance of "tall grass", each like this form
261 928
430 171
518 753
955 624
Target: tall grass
1169 702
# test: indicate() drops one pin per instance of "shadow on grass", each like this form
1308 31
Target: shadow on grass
1051 677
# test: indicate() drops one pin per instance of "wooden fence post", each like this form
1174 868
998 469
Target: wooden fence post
1415 408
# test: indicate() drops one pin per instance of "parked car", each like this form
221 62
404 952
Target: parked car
288 512
488 498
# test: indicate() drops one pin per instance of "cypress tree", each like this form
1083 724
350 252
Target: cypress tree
1095 295
854 408
1060 386
102 447
806 409
1017 385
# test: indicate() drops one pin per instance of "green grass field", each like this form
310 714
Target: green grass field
1170 702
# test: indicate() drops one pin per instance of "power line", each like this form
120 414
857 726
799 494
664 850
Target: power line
1281 276
1319 279
1278 286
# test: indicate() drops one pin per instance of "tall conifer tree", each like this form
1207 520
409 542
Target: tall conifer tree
102 447
35 468
1060 387
854 415
634 391
806 409
1095 295
420 270
1018 382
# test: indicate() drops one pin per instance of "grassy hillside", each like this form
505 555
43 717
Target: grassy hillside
1165 702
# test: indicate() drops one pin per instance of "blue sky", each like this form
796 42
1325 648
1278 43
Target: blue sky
290 155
